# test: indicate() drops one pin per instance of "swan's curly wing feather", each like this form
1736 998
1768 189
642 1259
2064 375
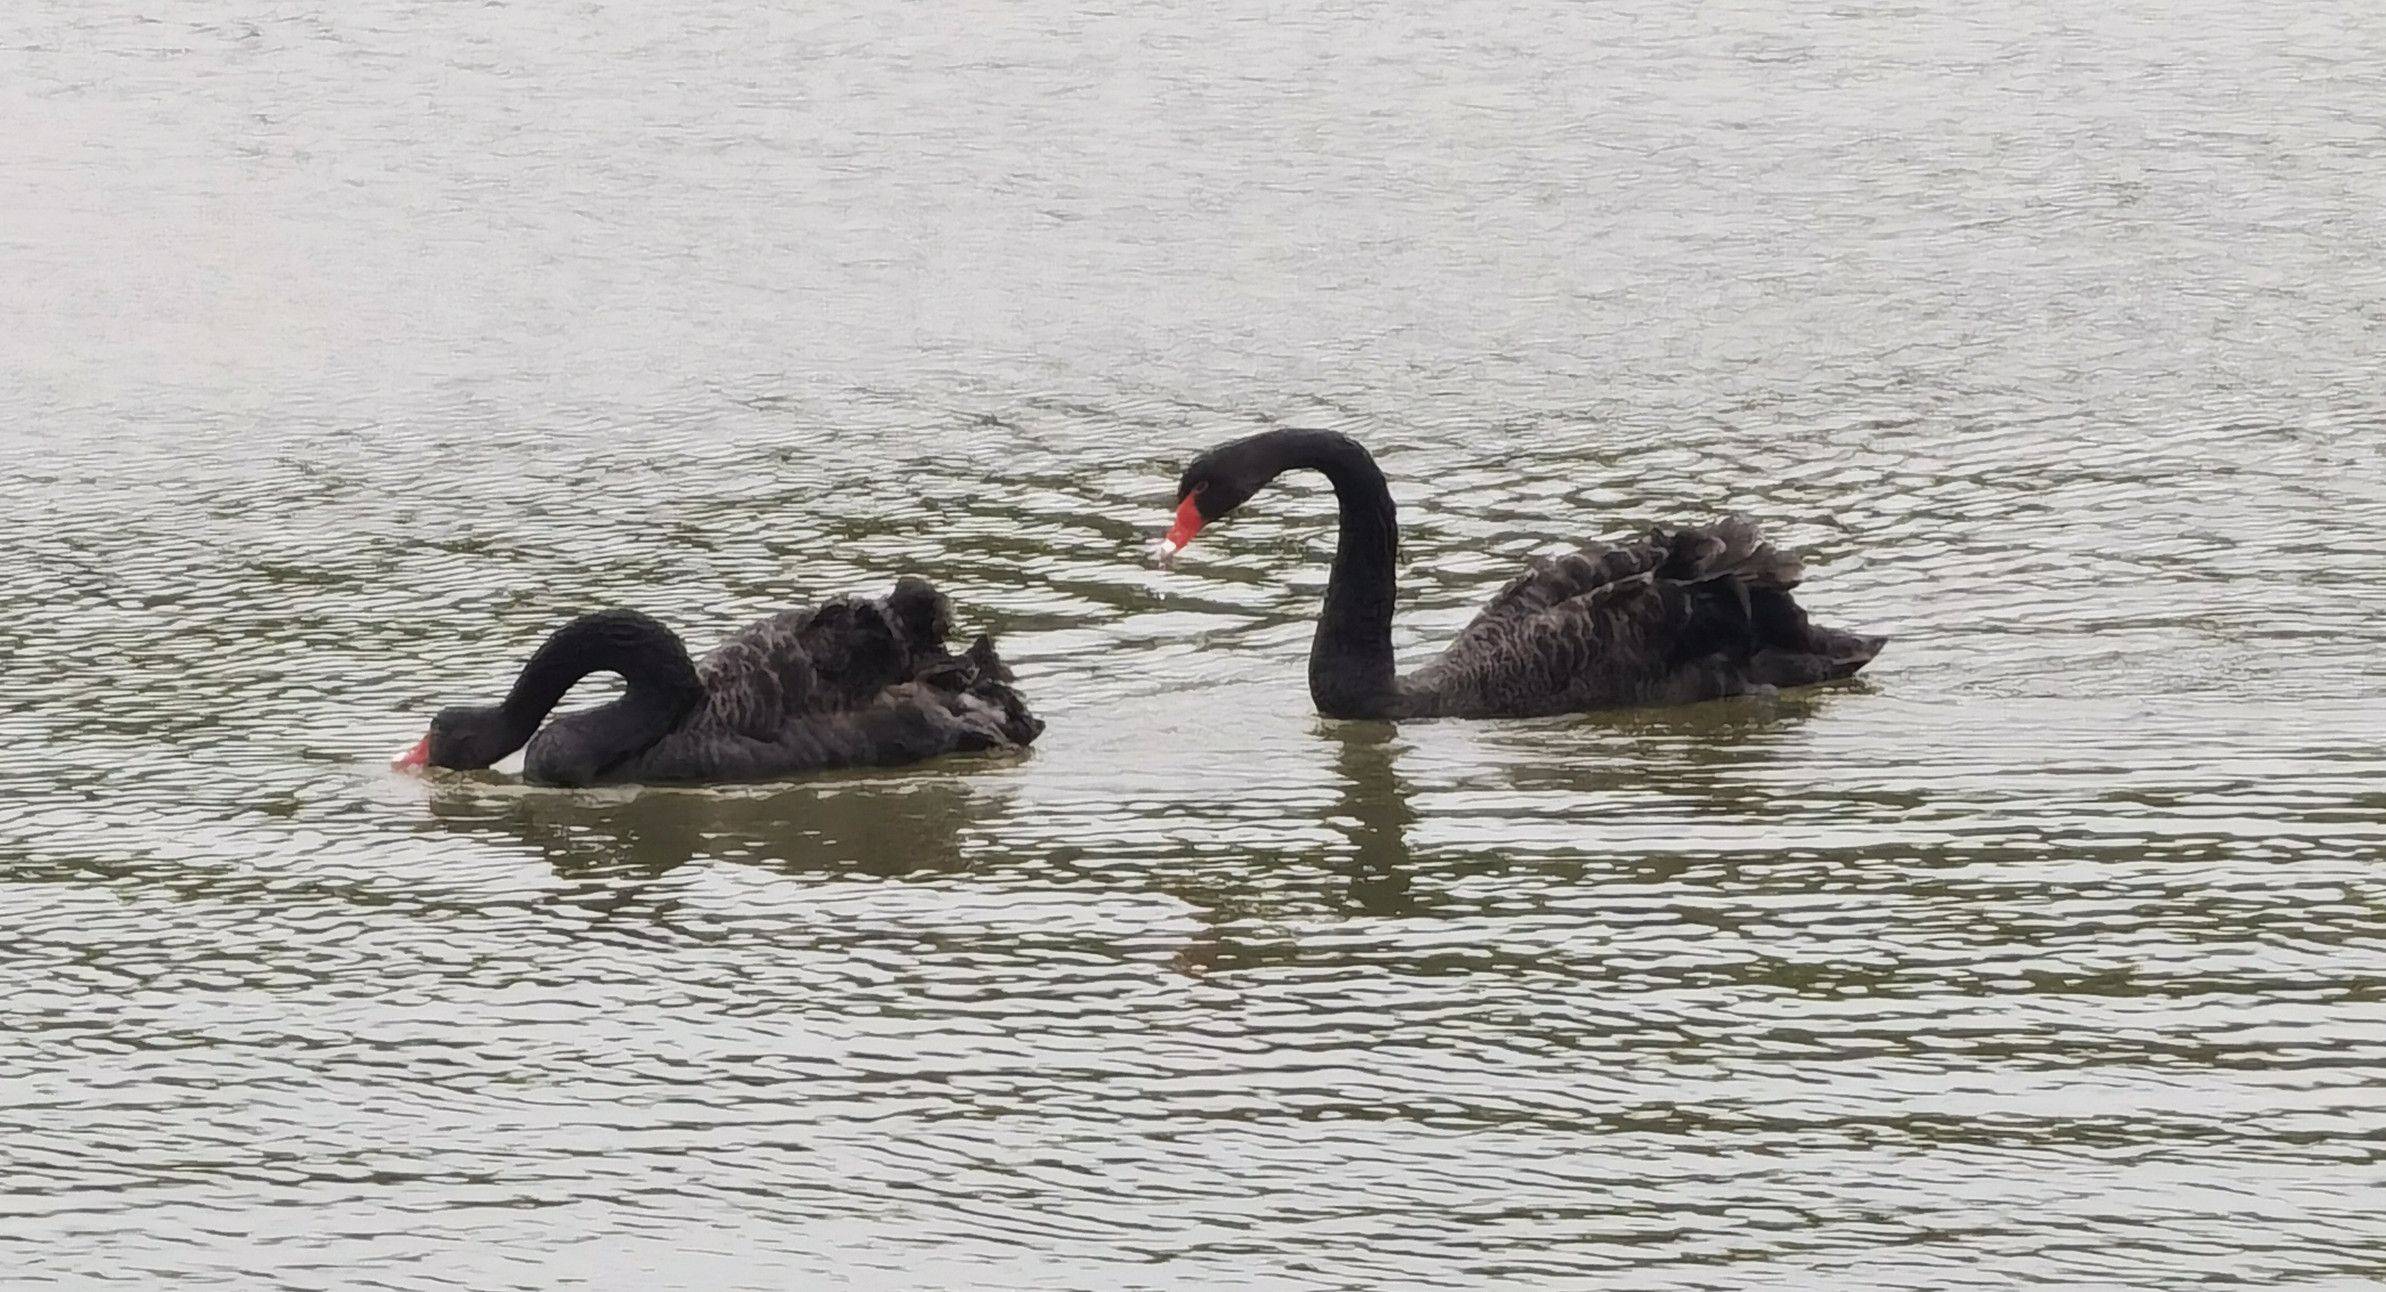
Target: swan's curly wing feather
809 664
803 663
1730 547
1661 618
1552 580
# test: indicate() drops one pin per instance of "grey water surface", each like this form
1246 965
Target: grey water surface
346 349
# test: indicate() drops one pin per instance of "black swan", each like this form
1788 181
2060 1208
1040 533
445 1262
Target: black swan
1673 617
852 683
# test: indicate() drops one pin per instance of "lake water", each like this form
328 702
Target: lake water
346 350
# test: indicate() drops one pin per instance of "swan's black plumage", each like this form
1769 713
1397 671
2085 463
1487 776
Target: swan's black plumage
853 682
1671 617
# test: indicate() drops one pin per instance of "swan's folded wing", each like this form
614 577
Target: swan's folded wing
741 689
832 658
1626 641
836 656
856 651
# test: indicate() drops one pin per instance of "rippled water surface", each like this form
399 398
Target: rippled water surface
345 350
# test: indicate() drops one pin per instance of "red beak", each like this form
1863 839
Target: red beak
1188 523
415 759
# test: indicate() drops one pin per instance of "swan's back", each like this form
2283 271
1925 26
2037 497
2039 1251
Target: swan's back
1670 617
852 682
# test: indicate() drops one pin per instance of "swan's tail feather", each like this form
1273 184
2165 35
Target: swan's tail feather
1778 621
994 688
1793 650
981 654
991 715
1845 656
975 687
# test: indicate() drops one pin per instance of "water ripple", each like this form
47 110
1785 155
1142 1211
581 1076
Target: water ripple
352 352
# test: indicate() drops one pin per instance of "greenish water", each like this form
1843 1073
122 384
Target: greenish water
344 354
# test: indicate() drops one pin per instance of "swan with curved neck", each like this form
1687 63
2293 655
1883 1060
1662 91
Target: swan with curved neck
1673 617
853 683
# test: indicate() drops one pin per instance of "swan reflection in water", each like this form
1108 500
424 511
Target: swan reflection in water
1698 755
1693 762
1372 869
612 847
1374 805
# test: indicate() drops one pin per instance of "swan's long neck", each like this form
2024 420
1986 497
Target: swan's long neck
662 688
1350 659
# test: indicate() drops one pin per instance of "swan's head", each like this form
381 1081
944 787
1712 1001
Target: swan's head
464 737
1216 483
